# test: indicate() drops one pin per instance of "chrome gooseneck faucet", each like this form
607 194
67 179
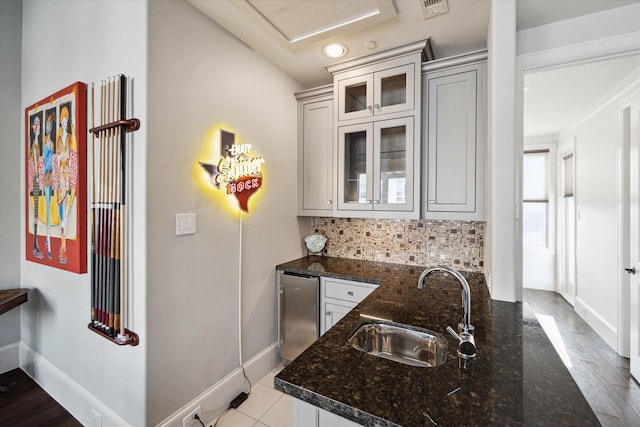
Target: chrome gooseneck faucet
467 345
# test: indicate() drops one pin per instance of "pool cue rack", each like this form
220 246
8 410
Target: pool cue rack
109 235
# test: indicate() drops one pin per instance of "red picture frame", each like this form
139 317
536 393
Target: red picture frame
55 180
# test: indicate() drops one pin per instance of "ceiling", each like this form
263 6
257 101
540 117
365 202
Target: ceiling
270 27
292 33
533 13
557 99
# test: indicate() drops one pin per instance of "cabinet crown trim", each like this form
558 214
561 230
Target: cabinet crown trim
313 92
452 61
394 52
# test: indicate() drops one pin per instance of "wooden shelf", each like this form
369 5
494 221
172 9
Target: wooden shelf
10 298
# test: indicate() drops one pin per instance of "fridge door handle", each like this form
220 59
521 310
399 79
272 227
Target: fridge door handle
281 323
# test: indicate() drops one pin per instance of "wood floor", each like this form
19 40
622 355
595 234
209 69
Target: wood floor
602 375
26 404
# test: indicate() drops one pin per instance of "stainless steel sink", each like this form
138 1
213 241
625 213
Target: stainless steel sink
400 343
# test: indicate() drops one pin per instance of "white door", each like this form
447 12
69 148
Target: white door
634 235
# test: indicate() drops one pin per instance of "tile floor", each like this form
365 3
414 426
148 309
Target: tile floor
601 374
265 407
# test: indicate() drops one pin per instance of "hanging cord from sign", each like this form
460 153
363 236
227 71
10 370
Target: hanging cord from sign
240 303
243 395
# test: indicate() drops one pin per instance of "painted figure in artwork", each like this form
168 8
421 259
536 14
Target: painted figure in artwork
34 156
66 149
47 157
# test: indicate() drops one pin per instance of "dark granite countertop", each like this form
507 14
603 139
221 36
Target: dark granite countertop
517 378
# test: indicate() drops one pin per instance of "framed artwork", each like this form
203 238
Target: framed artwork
55 180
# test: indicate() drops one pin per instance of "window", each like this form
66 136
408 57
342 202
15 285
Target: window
535 195
569 225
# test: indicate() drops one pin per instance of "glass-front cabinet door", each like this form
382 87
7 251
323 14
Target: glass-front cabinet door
393 165
355 100
375 170
393 90
355 168
387 91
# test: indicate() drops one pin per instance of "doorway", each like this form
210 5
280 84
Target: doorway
589 228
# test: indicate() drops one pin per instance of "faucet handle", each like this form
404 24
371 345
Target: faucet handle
453 333
466 343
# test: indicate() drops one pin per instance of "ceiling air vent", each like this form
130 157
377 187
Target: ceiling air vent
431 8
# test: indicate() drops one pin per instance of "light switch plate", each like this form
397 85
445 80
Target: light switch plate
185 223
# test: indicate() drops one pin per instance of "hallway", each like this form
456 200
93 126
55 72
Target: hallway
602 375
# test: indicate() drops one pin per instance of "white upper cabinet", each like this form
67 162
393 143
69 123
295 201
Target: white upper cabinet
375 166
395 138
389 90
377 127
316 158
454 128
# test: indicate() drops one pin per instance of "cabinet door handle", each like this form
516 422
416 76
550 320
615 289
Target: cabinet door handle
350 293
377 106
375 202
369 107
328 313
432 201
329 202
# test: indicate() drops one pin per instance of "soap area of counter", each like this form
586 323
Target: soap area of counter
517 378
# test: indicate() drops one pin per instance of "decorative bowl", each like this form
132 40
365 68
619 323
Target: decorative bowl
315 243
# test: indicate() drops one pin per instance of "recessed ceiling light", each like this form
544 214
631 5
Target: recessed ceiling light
334 50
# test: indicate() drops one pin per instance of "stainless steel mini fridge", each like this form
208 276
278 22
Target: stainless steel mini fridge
298 325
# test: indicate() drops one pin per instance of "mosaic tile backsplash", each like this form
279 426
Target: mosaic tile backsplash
459 244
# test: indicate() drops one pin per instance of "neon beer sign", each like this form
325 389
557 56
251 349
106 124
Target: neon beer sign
237 170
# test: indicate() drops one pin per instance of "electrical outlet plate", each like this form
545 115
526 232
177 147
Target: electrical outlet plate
189 419
96 418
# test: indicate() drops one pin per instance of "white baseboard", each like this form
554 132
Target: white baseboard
215 399
9 357
603 328
71 395
539 282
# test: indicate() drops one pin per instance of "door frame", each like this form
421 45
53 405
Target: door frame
623 189
629 131
565 148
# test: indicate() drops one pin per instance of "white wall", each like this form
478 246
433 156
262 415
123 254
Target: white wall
503 251
64 42
10 149
597 172
614 26
202 77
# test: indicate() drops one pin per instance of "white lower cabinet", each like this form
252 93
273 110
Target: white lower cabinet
307 415
333 313
338 297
